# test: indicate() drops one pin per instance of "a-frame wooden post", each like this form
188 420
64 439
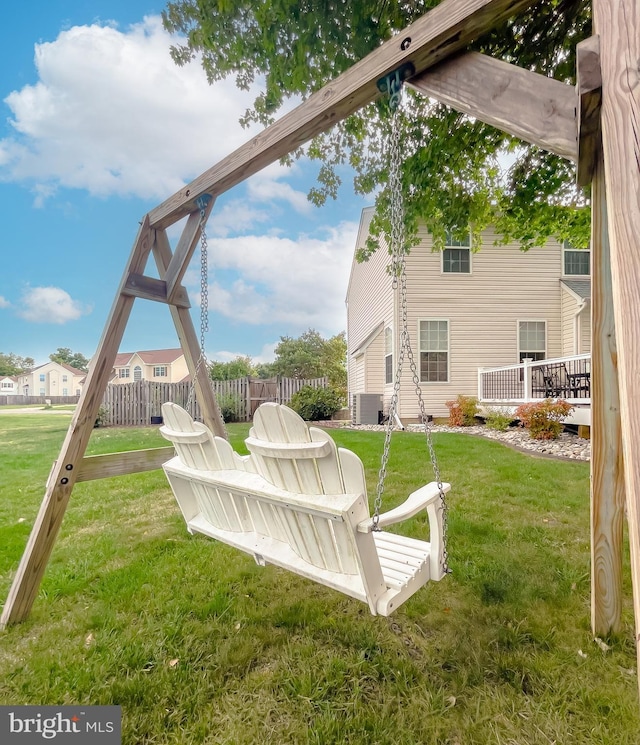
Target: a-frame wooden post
617 23
71 465
607 475
65 470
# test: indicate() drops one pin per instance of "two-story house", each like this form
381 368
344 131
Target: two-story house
465 311
51 379
8 385
159 365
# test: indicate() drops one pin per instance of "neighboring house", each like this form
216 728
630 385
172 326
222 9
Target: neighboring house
159 365
51 379
8 385
465 311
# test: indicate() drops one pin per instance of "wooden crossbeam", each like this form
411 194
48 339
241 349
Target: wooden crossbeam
589 90
150 288
446 29
533 107
120 464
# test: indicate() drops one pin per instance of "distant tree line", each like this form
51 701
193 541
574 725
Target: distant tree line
14 364
305 357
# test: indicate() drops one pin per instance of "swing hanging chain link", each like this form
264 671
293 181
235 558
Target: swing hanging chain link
399 283
204 302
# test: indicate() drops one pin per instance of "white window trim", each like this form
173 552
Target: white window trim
157 374
457 274
546 334
435 382
566 248
388 354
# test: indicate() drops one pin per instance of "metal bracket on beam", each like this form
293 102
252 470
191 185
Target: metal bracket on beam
203 201
589 94
392 83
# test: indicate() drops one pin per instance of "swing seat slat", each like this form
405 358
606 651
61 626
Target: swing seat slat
300 503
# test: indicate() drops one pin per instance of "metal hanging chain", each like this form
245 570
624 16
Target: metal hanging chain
202 202
399 284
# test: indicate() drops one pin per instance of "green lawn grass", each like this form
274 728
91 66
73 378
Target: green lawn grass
200 645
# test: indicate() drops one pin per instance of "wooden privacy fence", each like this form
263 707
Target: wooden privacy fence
19 399
139 403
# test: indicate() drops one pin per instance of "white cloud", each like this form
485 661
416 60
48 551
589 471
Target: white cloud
237 216
266 354
266 186
301 283
4 303
113 114
50 305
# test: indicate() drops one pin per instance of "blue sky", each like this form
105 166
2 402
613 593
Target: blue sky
98 126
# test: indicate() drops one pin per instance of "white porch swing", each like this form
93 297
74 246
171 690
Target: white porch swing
300 502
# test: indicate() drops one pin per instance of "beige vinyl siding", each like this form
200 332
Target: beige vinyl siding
370 303
54 383
375 365
506 285
178 370
359 374
585 330
570 306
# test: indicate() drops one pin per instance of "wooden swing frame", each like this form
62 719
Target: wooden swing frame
592 124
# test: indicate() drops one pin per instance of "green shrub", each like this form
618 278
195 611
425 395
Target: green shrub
101 417
230 406
463 411
498 419
544 418
316 404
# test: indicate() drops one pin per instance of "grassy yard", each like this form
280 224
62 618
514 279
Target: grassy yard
200 645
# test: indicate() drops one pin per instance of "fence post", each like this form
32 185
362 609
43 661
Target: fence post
480 382
527 377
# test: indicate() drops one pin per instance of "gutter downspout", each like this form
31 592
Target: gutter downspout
398 421
576 326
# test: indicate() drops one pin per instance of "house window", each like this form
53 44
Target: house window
42 393
64 378
532 340
576 261
137 373
160 372
65 391
42 377
388 356
456 256
123 372
434 351
7 385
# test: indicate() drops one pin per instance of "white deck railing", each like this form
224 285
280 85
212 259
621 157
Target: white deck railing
568 378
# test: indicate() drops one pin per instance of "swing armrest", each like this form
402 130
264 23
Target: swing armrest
415 502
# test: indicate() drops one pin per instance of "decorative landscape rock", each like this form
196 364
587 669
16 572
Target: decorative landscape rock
566 446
